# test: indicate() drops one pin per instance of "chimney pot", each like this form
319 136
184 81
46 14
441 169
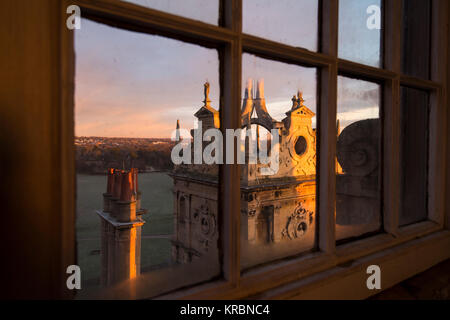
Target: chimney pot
117 183
126 193
135 179
110 183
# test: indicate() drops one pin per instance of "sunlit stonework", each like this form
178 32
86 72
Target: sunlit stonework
278 211
278 208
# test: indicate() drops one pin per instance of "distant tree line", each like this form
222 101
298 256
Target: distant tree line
97 158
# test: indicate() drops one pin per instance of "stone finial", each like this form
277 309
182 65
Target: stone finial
247 103
260 89
206 93
300 99
294 102
177 131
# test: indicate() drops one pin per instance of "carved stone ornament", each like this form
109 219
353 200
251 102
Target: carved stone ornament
207 222
298 223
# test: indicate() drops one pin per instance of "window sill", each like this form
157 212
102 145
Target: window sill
324 276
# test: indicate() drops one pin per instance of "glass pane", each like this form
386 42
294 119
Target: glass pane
135 93
358 165
416 38
414 155
360 31
278 205
202 10
291 22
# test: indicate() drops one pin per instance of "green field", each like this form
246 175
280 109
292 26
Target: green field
157 197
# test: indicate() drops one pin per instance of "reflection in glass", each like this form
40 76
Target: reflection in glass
414 155
133 91
278 210
202 10
359 31
358 158
291 22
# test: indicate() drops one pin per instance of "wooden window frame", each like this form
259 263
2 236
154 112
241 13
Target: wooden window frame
334 271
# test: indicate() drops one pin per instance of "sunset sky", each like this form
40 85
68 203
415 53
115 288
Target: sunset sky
137 85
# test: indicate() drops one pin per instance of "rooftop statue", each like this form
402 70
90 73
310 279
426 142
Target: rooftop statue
206 92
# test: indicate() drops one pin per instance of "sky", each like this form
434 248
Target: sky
293 22
129 84
357 100
357 42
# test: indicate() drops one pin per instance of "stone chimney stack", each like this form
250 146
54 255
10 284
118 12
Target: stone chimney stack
136 191
107 197
109 187
121 227
117 186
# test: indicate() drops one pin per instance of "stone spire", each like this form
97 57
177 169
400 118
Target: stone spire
260 102
247 104
260 89
249 89
255 107
177 132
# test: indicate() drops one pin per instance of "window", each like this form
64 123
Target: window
286 21
134 93
202 10
358 153
360 31
416 38
348 107
278 217
415 140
